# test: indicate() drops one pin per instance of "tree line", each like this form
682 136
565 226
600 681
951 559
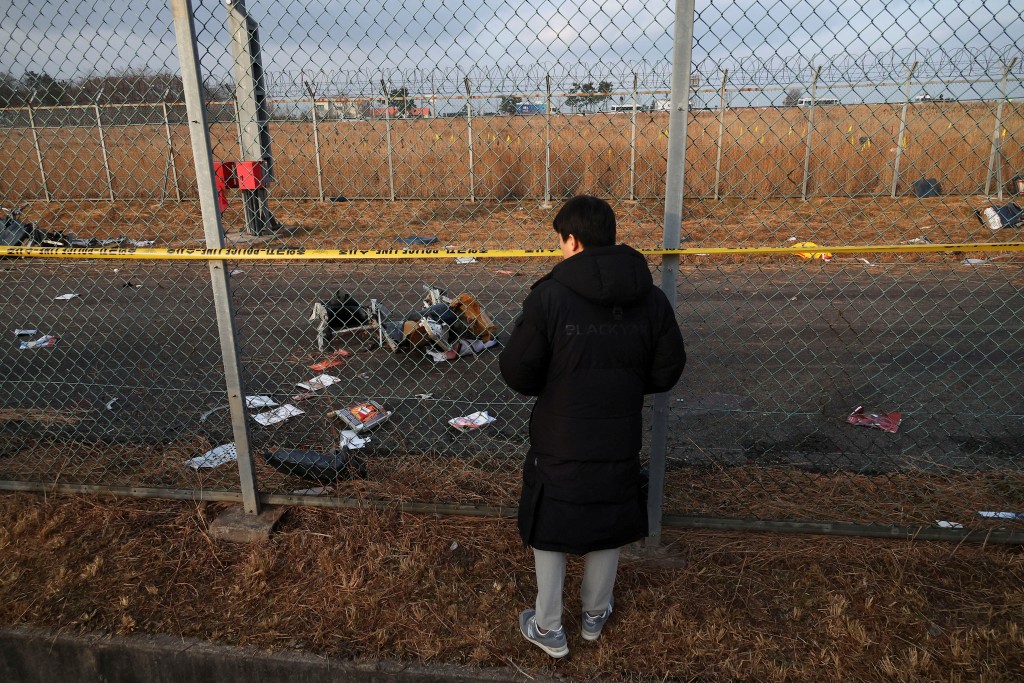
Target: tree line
40 89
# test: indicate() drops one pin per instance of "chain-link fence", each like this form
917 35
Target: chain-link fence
461 128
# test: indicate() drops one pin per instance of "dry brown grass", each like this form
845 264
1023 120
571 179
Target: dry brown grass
364 585
763 149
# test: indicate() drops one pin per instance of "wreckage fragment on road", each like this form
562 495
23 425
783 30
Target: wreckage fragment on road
441 323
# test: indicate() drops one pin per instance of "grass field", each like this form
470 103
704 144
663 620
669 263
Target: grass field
854 150
367 585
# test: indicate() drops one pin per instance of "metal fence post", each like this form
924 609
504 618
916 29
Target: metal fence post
188 55
39 152
632 144
547 145
469 134
682 51
993 168
316 140
721 132
103 145
387 139
810 133
251 113
903 130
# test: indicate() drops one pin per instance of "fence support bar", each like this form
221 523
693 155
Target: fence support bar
721 133
316 141
103 147
903 131
387 131
994 156
469 136
547 146
810 133
39 153
202 154
632 143
682 52
170 153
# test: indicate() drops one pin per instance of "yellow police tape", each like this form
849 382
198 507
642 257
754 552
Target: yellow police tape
304 254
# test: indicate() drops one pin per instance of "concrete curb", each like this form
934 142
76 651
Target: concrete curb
29 656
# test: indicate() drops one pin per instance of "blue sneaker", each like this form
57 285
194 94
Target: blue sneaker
553 642
592 625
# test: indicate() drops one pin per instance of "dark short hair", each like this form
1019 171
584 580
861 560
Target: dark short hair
590 219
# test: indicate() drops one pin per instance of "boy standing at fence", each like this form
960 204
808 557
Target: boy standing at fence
594 336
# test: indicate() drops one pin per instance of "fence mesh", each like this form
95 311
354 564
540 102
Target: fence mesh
464 126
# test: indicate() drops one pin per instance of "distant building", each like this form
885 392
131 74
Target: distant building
528 108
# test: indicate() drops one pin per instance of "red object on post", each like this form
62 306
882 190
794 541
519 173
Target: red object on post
224 172
249 174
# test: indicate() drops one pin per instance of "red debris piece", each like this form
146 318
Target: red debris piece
888 422
333 360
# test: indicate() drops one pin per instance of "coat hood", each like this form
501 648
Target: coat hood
609 276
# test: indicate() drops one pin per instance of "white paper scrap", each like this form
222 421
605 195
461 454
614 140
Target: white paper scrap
464 260
142 243
1001 515
65 297
472 421
943 524
349 439
318 383
45 340
260 402
277 414
25 333
213 458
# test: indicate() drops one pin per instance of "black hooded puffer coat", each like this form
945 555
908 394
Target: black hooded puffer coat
594 336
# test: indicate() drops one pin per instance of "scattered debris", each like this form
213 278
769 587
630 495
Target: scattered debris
320 382
235 272
314 491
471 421
65 297
413 240
341 312
974 262
214 457
943 524
888 422
110 404
259 402
1001 515
278 414
211 411
324 469
997 217
465 260
142 243
25 333
927 187
366 415
823 255
42 342
350 440
463 347
335 359
918 240
441 321
304 396
424 397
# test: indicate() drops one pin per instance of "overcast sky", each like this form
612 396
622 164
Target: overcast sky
72 39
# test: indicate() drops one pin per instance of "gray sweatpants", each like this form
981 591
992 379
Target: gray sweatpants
599 568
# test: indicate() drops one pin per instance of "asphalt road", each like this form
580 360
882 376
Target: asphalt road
779 354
